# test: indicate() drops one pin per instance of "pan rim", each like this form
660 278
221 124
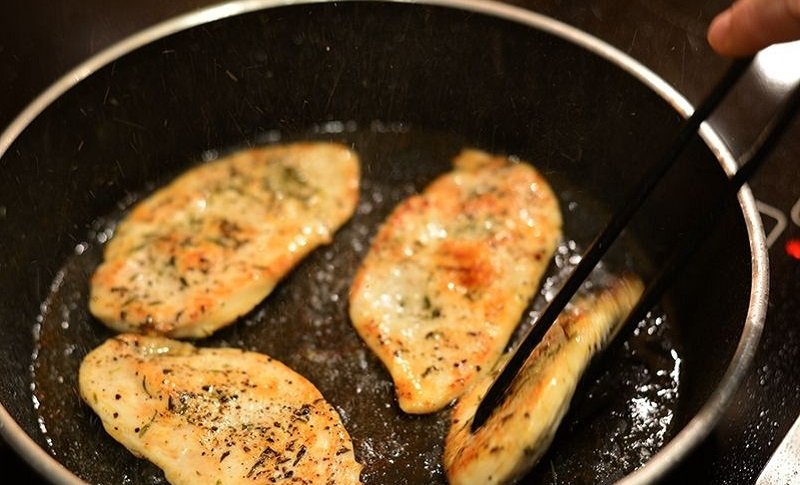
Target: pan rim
711 411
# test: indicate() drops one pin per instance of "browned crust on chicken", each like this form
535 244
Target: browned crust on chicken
212 244
449 274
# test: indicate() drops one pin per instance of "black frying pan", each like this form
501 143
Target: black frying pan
407 86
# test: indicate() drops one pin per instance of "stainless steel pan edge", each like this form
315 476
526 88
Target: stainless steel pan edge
699 426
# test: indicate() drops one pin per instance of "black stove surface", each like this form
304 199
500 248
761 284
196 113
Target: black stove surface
42 39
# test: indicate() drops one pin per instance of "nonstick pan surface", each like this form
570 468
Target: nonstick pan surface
407 86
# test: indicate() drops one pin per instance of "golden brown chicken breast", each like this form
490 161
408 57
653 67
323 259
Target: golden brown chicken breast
215 415
209 246
521 429
449 274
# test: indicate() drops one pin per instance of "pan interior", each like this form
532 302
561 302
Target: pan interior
304 324
330 71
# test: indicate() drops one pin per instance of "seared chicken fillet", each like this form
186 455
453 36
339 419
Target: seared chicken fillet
216 416
521 429
449 274
212 244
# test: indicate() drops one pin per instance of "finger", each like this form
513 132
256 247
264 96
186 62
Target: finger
750 25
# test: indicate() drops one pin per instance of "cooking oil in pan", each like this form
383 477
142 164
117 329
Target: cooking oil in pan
621 416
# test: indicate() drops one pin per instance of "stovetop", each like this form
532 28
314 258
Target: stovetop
42 39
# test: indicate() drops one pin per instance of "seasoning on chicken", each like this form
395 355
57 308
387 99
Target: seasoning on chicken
521 429
215 415
449 274
212 244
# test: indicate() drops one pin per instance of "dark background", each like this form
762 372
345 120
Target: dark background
41 40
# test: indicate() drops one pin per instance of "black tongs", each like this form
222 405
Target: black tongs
748 164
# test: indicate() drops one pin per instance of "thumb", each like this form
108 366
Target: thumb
750 25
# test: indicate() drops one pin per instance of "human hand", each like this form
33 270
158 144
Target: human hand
750 25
